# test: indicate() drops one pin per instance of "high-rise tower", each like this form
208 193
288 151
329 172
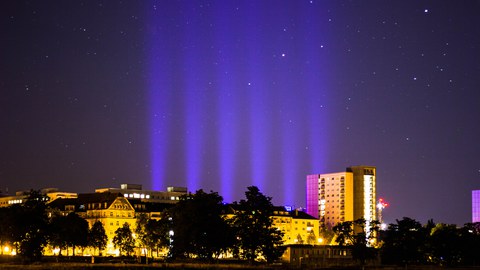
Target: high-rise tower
342 196
475 206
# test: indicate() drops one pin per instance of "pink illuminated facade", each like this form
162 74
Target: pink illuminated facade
313 194
475 206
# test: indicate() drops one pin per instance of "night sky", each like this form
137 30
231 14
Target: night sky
221 95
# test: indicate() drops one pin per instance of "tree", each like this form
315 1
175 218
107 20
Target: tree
156 234
97 238
58 235
359 240
123 239
140 230
444 245
198 226
254 228
470 238
29 226
68 231
404 242
77 231
6 227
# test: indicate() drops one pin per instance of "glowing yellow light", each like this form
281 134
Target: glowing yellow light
6 249
320 240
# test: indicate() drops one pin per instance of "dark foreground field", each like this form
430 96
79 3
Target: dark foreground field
192 266
107 263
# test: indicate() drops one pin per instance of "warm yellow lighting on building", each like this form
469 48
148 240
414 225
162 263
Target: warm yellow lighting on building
6 249
320 240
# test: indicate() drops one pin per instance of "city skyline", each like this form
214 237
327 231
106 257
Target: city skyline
222 95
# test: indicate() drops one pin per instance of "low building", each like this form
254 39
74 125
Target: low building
20 196
112 209
318 256
135 191
298 227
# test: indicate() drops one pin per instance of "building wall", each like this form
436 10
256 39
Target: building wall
320 256
297 229
476 206
134 191
364 189
112 218
313 192
336 198
342 196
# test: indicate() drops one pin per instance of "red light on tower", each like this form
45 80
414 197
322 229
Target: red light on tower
380 206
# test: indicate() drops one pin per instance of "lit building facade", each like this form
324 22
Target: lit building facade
111 209
342 196
475 206
135 191
20 196
298 227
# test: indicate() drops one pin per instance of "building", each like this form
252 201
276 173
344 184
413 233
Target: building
320 256
135 191
330 197
342 196
298 227
111 209
20 196
475 206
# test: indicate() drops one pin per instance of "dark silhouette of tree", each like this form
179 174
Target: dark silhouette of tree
140 230
6 227
123 240
254 228
358 235
58 234
97 238
77 231
156 234
151 234
443 245
470 244
30 224
68 231
198 227
404 242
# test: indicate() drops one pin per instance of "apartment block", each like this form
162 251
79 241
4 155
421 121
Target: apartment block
342 196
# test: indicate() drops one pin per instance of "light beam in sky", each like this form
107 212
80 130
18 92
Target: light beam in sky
225 112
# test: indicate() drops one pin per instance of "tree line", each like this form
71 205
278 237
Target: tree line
200 226
29 229
197 227
408 242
